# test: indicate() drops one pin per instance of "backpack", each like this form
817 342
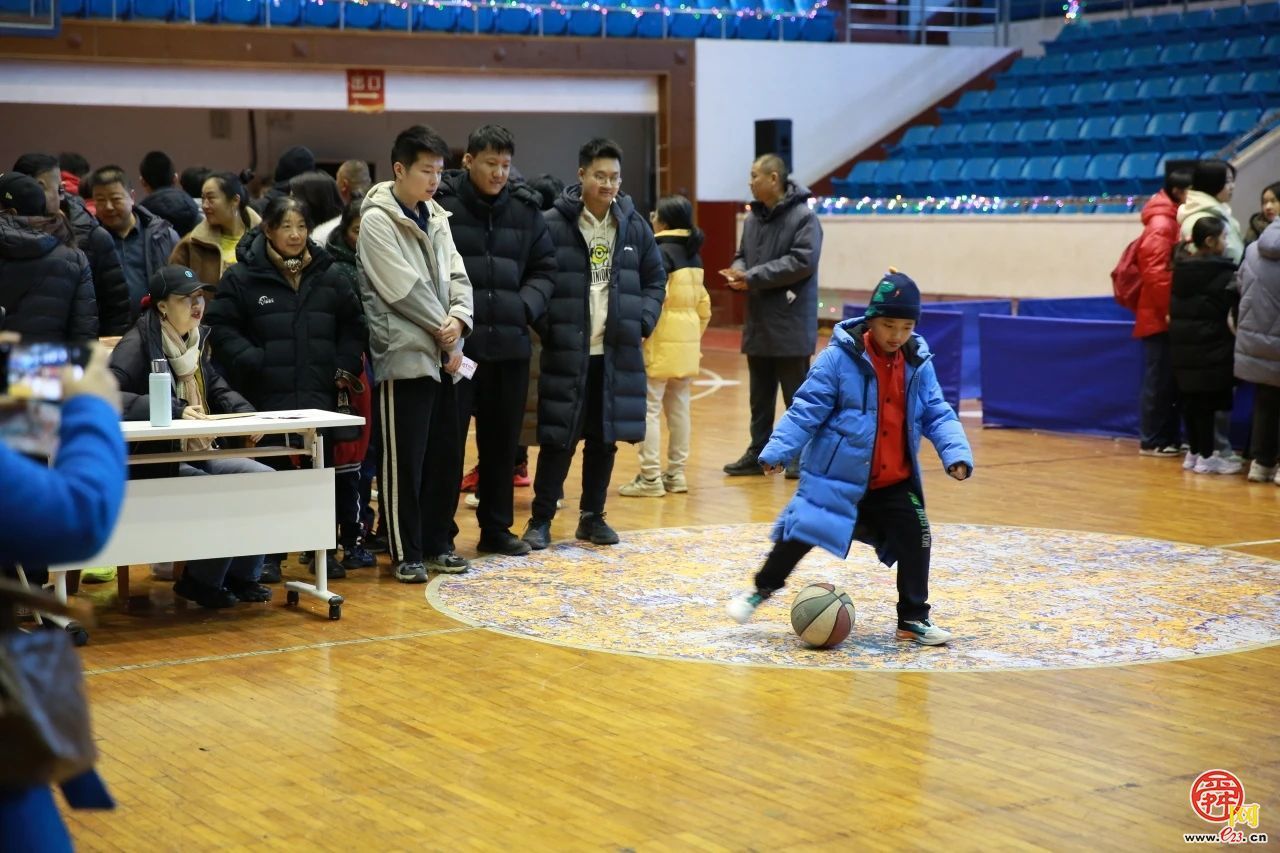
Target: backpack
1126 278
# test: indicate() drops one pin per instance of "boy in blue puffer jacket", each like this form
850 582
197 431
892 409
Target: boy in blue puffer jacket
859 418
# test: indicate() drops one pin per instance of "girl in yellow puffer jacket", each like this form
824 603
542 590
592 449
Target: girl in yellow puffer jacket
672 352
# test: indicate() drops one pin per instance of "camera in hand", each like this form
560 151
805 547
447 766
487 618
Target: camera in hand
31 392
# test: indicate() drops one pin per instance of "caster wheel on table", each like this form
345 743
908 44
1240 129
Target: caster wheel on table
335 611
291 597
79 636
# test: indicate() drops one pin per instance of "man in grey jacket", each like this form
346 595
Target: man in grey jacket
777 266
417 299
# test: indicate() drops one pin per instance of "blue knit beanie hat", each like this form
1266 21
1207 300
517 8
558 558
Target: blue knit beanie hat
895 296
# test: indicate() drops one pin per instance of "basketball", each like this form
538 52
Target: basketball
822 616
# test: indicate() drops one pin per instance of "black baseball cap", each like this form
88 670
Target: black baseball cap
174 280
21 193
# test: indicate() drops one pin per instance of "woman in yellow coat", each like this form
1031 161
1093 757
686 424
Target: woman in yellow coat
672 352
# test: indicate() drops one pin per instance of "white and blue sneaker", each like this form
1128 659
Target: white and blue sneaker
743 606
923 632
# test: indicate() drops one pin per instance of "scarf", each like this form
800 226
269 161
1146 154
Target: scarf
290 268
184 363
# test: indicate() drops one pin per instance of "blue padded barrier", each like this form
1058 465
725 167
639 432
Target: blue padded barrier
1075 308
1063 375
944 332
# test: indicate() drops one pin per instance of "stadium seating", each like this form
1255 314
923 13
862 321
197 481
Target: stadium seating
1099 114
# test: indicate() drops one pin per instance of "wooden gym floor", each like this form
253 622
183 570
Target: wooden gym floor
398 728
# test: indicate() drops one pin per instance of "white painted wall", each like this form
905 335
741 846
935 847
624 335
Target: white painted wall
841 98
996 256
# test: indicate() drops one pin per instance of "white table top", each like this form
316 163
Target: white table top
260 423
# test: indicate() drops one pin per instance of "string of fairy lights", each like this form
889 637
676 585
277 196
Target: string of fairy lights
638 10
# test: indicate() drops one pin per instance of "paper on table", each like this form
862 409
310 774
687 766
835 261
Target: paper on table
226 416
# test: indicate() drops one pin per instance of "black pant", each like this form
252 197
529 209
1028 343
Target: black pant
421 458
597 455
1198 412
496 395
1159 412
1265 443
766 374
895 513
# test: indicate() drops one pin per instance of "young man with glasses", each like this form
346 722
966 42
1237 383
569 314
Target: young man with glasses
609 287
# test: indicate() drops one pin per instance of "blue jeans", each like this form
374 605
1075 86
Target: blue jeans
214 572
1160 409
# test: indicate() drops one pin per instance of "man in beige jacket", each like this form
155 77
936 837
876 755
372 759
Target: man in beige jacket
417 299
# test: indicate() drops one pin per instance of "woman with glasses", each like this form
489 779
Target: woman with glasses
286 324
169 329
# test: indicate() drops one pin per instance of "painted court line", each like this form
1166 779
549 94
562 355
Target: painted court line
264 652
1244 544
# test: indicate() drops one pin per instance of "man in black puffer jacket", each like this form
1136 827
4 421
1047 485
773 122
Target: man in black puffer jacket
45 287
609 288
164 197
109 288
506 248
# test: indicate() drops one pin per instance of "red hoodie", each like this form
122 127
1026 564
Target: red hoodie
71 183
1160 235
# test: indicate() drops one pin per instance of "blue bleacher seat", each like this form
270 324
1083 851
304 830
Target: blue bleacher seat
513 20
1003 136
279 13
1247 49
1063 132
1265 15
1230 17
1058 96
1031 132
146 10
394 16
974 132
998 100
1272 46
111 9
1096 130
1006 173
249 12
1201 129
975 176
915 177
1037 176
1141 173
1262 88
945 136
206 11
820 27
1111 60
1144 57
1175 156
621 24
1176 55
944 178
1225 87
863 176
361 16
1093 92
1124 94
1069 174
315 13
1165 126
1103 173
1129 130
442 20
1211 53
1023 67
1236 122
1028 99
970 102
1189 87
685 24
889 178
916 137
587 22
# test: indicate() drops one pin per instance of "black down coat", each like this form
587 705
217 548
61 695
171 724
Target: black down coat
109 287
779 252
279 347
637 287
46 288
510 259
1202 348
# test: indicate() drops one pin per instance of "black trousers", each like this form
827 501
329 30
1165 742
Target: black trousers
1265 440
421 458
1198 411
896 513
1160 409
495 395
766 375
597 456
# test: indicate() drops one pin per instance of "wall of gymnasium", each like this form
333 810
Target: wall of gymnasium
550 118
841 99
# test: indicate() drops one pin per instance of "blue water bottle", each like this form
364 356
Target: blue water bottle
160 393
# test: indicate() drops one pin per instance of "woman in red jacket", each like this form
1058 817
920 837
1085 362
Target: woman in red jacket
1160 236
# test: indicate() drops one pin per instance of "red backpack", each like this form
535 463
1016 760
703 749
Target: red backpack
1126 279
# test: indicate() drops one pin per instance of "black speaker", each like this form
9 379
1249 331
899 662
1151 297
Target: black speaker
773 136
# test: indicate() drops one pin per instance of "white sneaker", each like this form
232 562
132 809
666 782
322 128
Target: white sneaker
923 632
1159 451
1216 464
743 606
1262 473
642 487
471 500
1190 461
676 484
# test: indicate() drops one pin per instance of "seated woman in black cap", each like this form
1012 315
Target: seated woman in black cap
169 328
